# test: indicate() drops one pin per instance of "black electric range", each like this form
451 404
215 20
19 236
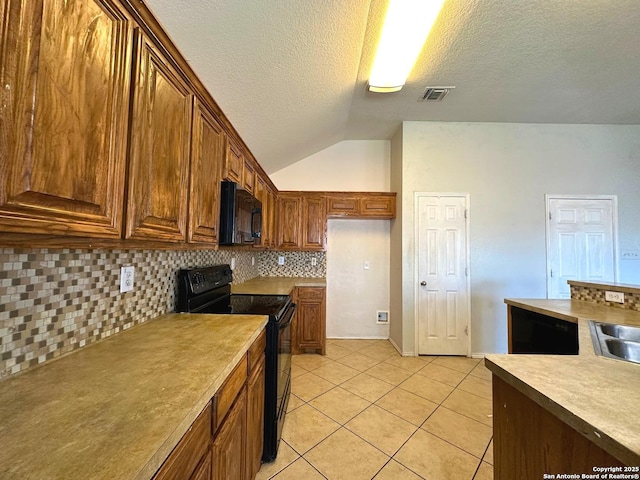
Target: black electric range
208 290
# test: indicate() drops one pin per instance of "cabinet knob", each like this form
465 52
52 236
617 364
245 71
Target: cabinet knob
423 283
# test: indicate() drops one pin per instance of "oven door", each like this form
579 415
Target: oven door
284 359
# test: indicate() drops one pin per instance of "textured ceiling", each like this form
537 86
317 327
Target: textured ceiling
291 75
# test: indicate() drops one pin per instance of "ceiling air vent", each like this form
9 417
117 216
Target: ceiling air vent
435 94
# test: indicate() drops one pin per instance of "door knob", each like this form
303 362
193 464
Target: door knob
423 283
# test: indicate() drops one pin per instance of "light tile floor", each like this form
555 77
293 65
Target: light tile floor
363 412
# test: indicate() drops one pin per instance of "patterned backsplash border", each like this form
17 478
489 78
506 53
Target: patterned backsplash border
596 295
55 301
296 264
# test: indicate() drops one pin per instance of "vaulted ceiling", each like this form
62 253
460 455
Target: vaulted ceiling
291 75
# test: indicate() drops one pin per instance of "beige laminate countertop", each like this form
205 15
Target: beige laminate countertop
116 409
598 396
276 285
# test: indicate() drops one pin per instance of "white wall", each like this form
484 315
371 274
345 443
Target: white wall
353 165
507 169
353 294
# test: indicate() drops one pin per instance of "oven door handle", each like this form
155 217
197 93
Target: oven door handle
287 317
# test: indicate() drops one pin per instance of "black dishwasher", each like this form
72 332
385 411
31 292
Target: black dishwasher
533 332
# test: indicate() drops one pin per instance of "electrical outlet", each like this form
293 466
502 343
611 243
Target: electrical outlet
253 261
366 265
382 316
314 261
280 260
233 263
126 279
617 297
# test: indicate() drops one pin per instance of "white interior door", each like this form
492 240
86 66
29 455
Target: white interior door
442 290
581 242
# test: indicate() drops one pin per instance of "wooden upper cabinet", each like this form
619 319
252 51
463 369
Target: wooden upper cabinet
302 221
378 205
289 212
234 163
207 157
339 205
160 144
313 222
260 193
65 75
269 218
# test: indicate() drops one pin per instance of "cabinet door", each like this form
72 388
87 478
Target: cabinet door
207 157
234 163
310 318
261 194
190 451
65 75
204 469
271 225
314 222
228 461
255 419
160 144
339 205
249 177
289 211
378 206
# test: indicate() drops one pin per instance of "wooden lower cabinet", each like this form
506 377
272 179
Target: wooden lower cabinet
530 441
204 469
225 441
228 462
255 419
188 454
310 320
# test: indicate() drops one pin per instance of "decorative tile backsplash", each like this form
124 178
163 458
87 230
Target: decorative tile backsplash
56 301
296 264
596 295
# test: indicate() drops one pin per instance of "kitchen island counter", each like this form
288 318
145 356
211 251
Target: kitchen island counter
596 396
117 408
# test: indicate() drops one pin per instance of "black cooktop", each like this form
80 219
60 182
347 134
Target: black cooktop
259 304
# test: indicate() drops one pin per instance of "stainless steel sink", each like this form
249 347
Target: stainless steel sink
621 342
623 332
624 349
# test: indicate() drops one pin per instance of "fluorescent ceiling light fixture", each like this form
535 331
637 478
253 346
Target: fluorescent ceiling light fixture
405 30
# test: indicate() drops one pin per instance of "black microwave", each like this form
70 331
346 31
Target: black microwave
240 216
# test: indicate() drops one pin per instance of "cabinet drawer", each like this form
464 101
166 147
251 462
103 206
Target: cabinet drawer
256 351
184 459
228 392
310 294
